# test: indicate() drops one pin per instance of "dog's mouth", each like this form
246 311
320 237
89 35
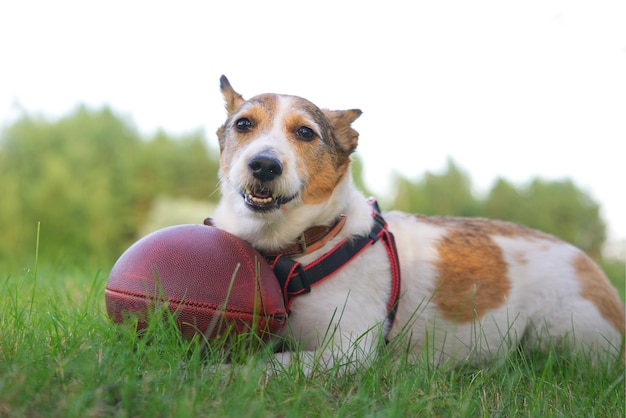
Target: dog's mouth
262 199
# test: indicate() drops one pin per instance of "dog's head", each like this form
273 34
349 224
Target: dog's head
279 151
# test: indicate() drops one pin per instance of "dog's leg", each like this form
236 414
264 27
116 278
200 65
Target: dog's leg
342 323
343 354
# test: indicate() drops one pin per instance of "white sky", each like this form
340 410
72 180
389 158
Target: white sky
512 89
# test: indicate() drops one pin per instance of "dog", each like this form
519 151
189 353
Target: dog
452 289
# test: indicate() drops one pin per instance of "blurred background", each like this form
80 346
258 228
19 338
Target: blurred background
108 112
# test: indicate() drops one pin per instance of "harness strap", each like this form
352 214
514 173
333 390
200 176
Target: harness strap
296 279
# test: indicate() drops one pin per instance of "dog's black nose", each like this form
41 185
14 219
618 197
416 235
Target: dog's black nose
265 168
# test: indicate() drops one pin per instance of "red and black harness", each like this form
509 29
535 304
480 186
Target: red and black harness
296 279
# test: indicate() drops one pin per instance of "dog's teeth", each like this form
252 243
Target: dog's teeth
258 200
261 201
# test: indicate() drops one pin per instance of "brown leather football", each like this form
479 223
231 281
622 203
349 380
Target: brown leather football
210 280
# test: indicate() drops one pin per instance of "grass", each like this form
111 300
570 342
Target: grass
61 356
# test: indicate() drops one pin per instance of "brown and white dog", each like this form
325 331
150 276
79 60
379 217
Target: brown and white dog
472 289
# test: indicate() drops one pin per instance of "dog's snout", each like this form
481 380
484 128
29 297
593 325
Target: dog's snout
265 168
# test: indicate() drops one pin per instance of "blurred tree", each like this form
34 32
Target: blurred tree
357 175
449 193
504 201
90 178
557 207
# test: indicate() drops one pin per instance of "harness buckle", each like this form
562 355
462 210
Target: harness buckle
302 242
298 283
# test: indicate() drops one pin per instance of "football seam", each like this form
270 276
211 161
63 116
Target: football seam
183 302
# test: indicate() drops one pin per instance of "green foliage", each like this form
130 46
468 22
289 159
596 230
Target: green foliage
357 175
89 179
449 193
557 207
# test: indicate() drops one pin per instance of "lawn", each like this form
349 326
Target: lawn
61 356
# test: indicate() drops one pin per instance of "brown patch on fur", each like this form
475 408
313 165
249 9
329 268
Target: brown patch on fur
323 180
334 125
233 99
324 160
260 110
341 120
597 289
472 274
296 120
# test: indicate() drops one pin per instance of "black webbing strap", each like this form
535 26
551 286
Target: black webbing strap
296 279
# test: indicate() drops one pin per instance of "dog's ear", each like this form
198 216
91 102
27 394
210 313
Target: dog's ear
233 99
341 120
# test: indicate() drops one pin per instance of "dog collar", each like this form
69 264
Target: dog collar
309 241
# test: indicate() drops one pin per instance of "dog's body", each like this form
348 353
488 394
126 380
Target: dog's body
471 288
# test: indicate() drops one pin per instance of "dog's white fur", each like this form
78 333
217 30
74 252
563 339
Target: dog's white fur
472 289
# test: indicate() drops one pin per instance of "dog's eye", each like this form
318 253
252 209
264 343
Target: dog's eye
243 125
305 133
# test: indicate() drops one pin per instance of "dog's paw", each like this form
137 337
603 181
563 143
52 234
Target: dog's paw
277 364
303 363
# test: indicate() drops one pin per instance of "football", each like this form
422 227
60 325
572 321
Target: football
211 281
